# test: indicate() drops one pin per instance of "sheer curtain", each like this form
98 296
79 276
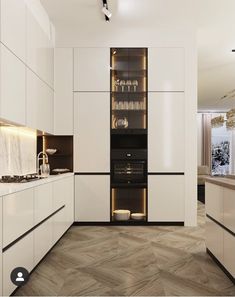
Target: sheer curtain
206 139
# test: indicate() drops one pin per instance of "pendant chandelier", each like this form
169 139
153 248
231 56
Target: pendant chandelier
229 120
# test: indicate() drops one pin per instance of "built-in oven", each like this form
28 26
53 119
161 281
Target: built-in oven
129 167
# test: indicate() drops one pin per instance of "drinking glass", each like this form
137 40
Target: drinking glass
135 84
122 85
128 84
117 84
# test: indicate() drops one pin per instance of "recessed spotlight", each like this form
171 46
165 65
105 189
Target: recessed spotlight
233 50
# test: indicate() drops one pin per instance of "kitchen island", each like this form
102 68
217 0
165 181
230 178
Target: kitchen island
220 222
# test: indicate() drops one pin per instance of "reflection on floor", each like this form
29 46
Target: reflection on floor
130 261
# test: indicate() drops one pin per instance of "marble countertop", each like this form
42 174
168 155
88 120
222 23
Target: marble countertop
6 189
227 182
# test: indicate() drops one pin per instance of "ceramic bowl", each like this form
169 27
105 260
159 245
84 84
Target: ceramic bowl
121 214
137 216
51 151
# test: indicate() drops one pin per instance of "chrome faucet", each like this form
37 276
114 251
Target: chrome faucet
44 155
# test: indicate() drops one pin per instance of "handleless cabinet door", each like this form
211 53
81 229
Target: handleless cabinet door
18 213
166 132
63 104
40 104
12 91
229 209
92 69
1 248
92 132
166 198
43 202
13 26
166 69
229 252
215 239
92 198
21 254
214 201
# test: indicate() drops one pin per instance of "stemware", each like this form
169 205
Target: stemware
128 84
117 84
135 84
126 105
122 85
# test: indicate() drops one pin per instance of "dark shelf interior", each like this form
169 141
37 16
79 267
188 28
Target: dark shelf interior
63 158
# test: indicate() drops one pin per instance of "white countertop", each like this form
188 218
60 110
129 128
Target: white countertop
9 188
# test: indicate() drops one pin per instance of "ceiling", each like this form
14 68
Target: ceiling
214 19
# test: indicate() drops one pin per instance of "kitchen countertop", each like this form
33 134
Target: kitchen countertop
10 188
227 182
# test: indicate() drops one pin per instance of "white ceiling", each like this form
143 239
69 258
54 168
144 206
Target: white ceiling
214 19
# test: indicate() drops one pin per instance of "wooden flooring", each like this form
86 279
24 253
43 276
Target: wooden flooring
130 260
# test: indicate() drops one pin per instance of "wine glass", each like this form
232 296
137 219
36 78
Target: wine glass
135 84
117 84
128 84
122 85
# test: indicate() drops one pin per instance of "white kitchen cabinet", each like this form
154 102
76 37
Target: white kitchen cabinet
92 198
40 104
18 216
13 26
12 96
166 132
214 239
63 194
166 198
63 83
40 47
43 240
228 207
20 254
214 201
1 246
92 132
229 252
59 225
92 69
43 202
166 69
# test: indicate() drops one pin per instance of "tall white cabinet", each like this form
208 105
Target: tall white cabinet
92 132
166 135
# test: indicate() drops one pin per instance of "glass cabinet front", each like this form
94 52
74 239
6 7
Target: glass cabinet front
129 88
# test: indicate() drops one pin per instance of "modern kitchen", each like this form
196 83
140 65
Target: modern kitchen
101 136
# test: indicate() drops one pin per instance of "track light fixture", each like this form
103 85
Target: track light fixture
106 11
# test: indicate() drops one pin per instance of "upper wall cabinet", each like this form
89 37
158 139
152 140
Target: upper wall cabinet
92 132
13 26
12 90
63 83
166 69
92 69
166 139
40 51
40 104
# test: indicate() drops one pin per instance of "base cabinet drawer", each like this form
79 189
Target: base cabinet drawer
59 224
214 201
165 198
19 255
43 240
214 239
229 252
17 215
43 202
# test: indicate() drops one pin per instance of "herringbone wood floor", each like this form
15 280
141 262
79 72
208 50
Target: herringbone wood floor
146 261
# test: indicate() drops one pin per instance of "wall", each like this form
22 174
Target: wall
17 151
199 139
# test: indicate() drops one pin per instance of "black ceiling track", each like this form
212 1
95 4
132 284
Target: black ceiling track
105 4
